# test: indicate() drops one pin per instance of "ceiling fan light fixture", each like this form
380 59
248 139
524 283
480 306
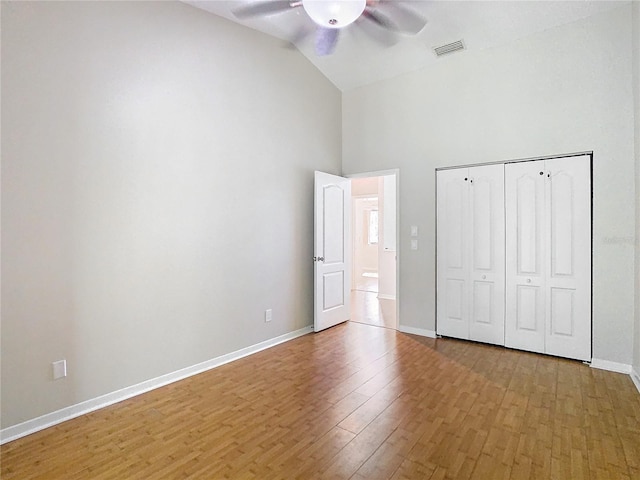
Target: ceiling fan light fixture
334 13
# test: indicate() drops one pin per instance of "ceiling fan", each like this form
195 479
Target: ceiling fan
331 16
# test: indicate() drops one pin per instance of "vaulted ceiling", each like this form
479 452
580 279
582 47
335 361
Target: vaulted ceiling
360 60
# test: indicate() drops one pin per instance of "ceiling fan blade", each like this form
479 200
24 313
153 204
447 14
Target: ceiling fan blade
265 8
326 40
383 34
406 20
379 19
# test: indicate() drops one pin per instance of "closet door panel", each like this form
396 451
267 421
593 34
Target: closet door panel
486 206
568 198
525 253
452 257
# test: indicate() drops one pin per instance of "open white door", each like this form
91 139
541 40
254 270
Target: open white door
332 247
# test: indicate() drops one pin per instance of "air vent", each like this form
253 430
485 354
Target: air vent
449 48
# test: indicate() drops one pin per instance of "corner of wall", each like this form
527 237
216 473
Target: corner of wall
635 377
636 95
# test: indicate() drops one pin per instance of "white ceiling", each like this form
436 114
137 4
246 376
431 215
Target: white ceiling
359 60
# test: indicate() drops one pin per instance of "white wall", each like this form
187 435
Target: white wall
567 89
386 259
157 179
636 91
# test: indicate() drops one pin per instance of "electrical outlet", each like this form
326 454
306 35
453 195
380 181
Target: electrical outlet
267 315
59 369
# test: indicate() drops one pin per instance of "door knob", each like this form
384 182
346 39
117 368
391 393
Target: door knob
528 280
484 277
318 259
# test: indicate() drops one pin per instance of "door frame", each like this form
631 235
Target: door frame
383 173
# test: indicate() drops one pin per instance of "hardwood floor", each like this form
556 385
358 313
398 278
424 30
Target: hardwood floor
360 402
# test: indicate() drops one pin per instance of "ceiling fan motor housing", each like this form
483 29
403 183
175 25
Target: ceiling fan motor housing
334 13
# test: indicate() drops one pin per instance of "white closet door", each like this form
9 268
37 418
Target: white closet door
486 254
452 262
525 295
568 288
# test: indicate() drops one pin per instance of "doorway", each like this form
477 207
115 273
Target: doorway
374 253
366 236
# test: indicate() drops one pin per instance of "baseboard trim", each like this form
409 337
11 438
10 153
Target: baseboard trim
611 366
50 419
635 376
382 296
417 331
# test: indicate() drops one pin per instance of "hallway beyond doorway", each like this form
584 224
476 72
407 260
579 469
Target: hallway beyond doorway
374 254
367 308
367 282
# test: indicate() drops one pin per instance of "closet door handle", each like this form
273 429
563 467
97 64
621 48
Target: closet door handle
528 280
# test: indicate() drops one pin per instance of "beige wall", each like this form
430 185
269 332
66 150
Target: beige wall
157 178
636 86
567 89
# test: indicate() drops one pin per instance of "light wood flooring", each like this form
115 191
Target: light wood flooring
367 308
361 402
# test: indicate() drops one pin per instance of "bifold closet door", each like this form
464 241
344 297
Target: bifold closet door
470 253
452 253
525 258
486 256
548 218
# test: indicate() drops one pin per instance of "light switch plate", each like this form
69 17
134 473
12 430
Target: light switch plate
414 230
414 244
